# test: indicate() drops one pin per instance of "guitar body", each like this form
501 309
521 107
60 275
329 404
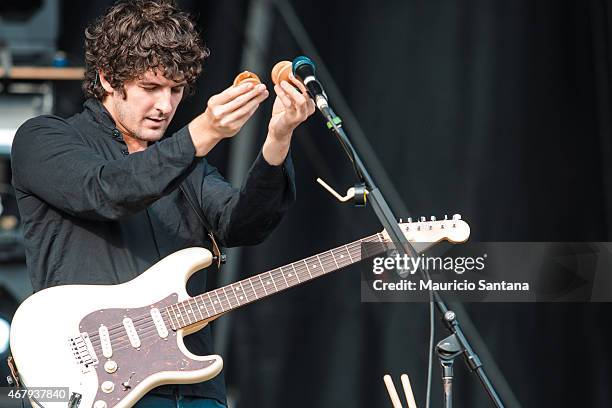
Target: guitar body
56 341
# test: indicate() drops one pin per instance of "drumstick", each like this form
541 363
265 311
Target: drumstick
408 391
392 392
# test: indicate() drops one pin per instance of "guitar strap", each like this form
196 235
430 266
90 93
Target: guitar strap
190 195
14 373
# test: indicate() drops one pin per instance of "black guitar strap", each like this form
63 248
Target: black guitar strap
190 195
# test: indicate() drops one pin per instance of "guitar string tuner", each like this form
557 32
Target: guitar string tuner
409 219
400 221
445 217
456 217
423 219
433 218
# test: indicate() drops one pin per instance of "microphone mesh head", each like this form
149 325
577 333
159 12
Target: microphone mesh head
302 60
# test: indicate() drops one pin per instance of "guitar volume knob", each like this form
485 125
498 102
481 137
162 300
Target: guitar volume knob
107 387
110 366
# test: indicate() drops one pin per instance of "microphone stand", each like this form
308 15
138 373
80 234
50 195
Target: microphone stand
382 210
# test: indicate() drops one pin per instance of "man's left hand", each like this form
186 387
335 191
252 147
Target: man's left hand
291 107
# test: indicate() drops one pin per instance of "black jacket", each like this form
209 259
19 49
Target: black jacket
94 214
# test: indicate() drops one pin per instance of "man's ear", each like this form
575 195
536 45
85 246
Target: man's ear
105 84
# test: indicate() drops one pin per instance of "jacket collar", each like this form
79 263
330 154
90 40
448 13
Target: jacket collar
99 113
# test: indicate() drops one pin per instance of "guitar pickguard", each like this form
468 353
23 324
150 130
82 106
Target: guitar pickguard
138 350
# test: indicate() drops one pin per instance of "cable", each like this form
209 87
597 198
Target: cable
431 346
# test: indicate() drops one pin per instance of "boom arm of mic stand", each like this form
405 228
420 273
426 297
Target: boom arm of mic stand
389 222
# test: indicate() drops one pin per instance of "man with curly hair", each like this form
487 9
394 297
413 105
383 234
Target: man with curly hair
106 193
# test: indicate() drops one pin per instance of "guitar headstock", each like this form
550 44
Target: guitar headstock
453 230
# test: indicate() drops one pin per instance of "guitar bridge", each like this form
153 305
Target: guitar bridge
83 352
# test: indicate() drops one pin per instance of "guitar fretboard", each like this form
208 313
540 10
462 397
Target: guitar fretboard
219 301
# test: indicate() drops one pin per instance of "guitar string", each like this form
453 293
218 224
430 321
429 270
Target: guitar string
249 293
151 329
277 272
325 259
151 332
144 336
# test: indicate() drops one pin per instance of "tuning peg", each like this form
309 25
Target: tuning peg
400 221
457 217
423 219
409 219
445 217
433 218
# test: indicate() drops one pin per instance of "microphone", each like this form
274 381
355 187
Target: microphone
304 69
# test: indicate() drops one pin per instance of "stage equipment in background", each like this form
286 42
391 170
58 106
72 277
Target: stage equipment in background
110 344
29 64
29 30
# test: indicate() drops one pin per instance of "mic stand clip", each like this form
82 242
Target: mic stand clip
447 350
358 193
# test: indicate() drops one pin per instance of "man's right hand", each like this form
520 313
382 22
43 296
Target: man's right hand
225 115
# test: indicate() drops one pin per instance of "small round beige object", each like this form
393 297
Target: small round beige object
107 387
281 72
245 77
110 366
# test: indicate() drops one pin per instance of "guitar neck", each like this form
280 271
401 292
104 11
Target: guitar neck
210 305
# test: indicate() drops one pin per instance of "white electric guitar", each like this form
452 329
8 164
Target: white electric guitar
111 344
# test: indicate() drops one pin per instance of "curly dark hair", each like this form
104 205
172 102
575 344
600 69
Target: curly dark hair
137 35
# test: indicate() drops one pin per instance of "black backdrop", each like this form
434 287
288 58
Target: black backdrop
496 110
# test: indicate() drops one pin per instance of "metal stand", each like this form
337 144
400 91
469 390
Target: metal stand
388 220
447 350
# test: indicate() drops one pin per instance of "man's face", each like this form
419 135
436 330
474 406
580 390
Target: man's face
147 108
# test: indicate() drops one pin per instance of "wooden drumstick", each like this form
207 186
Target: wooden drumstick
408 391
392 392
